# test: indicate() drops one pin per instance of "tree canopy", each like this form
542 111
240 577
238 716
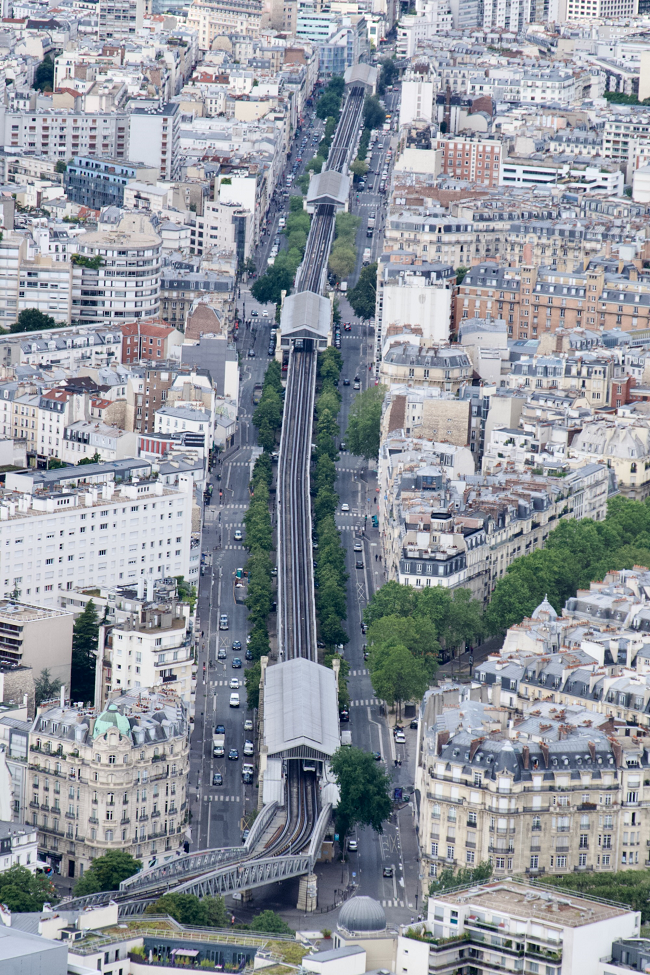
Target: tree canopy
32 320
207 912
106 873
45 689
270 286
625 886
44 76
85 636
447 879
364 789
22 890
364 420
270 923
373 114
363 296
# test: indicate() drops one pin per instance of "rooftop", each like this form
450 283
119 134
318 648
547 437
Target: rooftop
527 901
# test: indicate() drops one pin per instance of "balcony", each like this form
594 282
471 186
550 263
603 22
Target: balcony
93 820
70 815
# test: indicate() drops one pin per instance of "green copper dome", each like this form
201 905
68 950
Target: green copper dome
112 718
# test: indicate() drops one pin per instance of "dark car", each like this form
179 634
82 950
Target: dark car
254 314
220 730
377 756
236 644
248 654
247 778
217 778
357 379
348 326
251 353
388 871
236 663
358 564
344 714
414 723
346 382
233 754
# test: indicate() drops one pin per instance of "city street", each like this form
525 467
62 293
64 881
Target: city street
219 811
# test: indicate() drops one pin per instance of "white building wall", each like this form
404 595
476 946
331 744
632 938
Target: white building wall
416 104
418 304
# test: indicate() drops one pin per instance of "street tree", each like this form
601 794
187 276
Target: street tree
252 681
374 115
363 296
270 923
416 633
270 286
189 909
397 676
364 791
391 600
364 421
329 363
24 891
342 260
107 872
85 635
359 167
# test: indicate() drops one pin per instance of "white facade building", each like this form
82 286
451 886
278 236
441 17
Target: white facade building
102 535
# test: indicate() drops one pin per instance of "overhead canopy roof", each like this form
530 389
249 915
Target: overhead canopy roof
328 187
305 316
361 74
300 710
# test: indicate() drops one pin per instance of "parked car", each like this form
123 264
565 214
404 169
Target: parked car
234 700
353 845
249 748
217 778
236 663
221 653
248 724
233 755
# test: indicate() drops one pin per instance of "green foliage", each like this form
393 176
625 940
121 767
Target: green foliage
447 879
270 286
45 689
303 182
295 204
460 273
44 77
260 587
359 167
387 74
252 681
346 227
329 103
61 166
259 531
364 422
270 923
54 464
259 644
315 165
186 591
363 296
619 98
364 143
106 873
373 114
21 890
209 912
268 414
342 261
576 553
344 671
364 790
396 675
625 886
330 363
95 459
85 635
418 634
32 320
93 263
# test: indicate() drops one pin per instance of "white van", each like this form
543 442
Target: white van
234 699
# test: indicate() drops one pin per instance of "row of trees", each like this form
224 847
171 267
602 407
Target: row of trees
331 577
343 256
576 553
364 422
329 103
410 629
279 277
387 74
260 580
363 296
268 413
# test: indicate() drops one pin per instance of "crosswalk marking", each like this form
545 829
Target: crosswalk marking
239 548
221 798
359 673
224 683
392 903
369 702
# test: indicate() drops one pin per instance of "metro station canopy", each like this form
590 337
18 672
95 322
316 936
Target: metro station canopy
305 316
300 710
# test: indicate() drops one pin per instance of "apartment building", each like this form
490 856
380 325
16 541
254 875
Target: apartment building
120 20
442 525
36 637
114 780
180 290
97 183
125 285
556 794
578 11
149 644
46 284
538 299
154 138
443 366
147 392
510 925
75 527
149 341
478 160
626 445
59 134
214 19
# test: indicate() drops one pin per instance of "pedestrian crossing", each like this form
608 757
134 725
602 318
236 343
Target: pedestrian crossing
225 507
359 673
367 703
220 798
393 903
348 470
239 548
238 463
224 683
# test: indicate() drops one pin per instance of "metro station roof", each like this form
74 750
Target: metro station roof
305 316
361 74
328 187
300 710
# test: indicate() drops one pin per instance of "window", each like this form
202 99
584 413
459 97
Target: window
471 819
534 863
582 859
470 856
450 853
434 849
561 861
111 759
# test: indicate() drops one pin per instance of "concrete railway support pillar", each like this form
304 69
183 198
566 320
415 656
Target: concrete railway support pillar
308 893
246 896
